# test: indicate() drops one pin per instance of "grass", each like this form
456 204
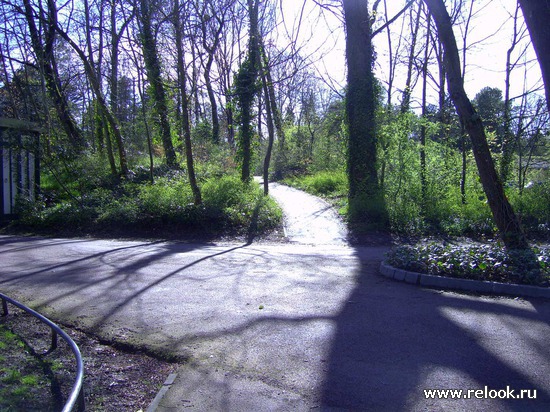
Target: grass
22 374
326 183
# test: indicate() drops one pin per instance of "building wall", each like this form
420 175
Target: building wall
17 173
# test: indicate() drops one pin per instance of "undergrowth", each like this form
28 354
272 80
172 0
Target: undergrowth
133 205
443 213
488 262
24 376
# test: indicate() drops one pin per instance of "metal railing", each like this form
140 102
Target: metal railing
76 397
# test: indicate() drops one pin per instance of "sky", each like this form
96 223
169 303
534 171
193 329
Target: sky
489 38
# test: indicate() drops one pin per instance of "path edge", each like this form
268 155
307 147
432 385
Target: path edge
153 407
467 285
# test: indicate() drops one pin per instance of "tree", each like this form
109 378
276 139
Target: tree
43 45
212 24
406 99
537 16
505 219
490 106
423 128
186 124
520 31
152 65
94 80
269 110
366 198
246 89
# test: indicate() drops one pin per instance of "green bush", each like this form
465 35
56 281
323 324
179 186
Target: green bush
328 183
228 205
241 204
122 212
226 192
532 204
164 198
325 183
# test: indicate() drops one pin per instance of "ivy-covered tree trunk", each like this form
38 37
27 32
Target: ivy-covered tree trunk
152 66
506 220
114 84
104 137
367 209
246 89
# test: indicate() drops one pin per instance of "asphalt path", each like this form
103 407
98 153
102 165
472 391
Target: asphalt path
288 327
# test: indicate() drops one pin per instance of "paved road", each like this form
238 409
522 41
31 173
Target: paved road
287 327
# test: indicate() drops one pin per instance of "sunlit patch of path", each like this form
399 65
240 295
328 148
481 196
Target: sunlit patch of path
308 219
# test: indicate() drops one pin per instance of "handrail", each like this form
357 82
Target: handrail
77 392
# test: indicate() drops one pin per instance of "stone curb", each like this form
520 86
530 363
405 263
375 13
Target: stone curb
468 285
165 386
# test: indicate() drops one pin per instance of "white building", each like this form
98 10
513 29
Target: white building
19 162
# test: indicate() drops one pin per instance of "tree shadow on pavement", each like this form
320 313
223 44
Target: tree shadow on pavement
394 340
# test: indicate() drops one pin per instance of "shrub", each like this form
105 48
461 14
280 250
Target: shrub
119 212
226 192
489 261
164 198
241 204
166 205
326 183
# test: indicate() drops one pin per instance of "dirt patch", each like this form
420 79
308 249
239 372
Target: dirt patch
33 379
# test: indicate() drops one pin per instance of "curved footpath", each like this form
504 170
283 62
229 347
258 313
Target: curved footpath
308 219
292 327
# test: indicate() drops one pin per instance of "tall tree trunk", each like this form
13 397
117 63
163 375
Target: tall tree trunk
195 85
392 60
213 103
537 16
246 90
366 198
47 63
146 123
104 136
508 141
503 213
115 40
186 126
96 87
423 174
211 50
276 114
270 130
152 65
270 108
113 81
406 100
